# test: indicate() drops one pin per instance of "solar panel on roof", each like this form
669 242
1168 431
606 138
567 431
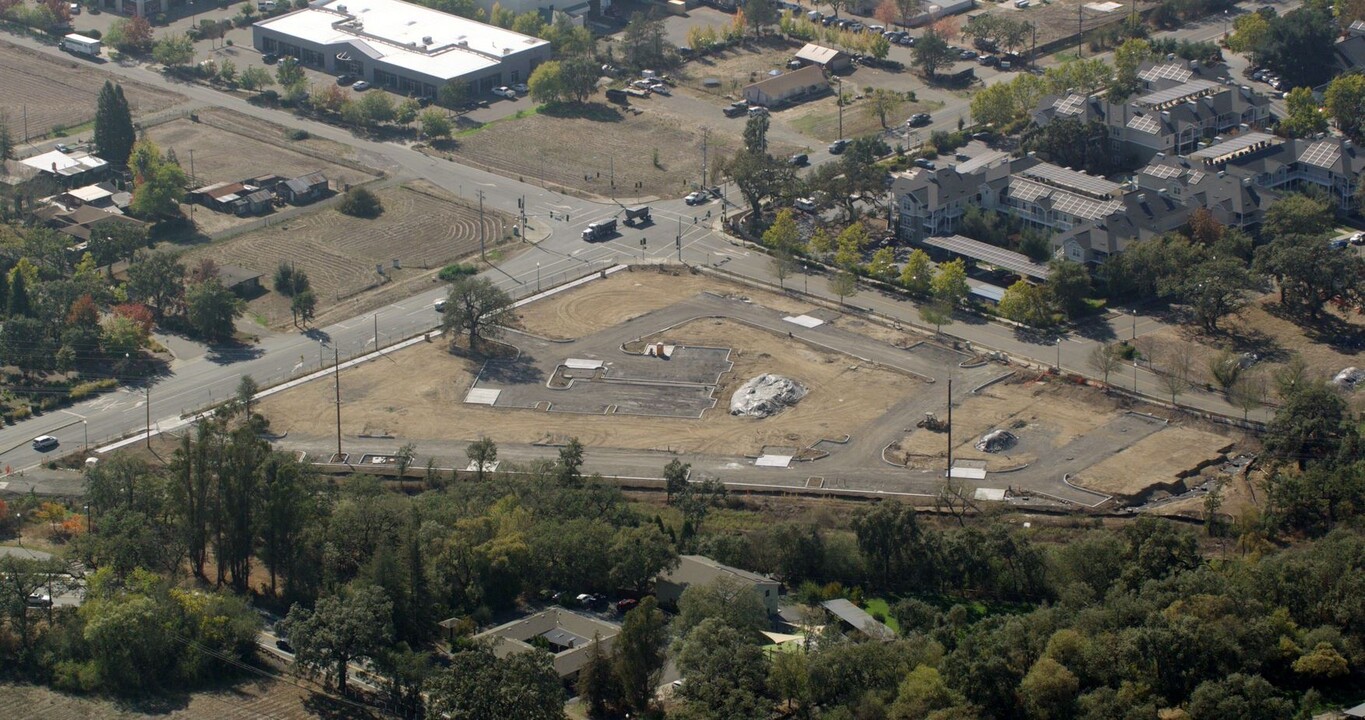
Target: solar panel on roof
1071 179
990 254
1322 154
1027 191
1167 71
1070 105
1226 147
1165 172
1178 93
1145 123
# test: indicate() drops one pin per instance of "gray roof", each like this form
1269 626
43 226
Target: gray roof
1356 712
818 54
233 275
1014 262
699 569
859 619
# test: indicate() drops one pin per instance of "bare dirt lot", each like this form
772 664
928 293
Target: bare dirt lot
1163 457
627 295
421 226
1058 19
224 156
820 118
250 700
53 92
419 393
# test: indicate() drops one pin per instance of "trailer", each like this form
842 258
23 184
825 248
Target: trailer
81 45
638 215
599 230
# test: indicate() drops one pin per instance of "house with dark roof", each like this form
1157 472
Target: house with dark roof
1349 51
303 189
240 280
1178 109
701 570
79 222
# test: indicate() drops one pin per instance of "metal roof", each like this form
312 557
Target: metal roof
1240 145
818 54
1059 176
1179 93
999 257
859 619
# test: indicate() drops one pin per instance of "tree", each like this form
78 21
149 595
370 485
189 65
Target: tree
376 107
760 14
289 73
1248 697
949 286
1249 33
1298 46
917 274
852 243
580 76
995 105
1068 283
453 94
1302 116
26 344
213 309
1344 100
883 264
478 685
675 478
639 555
936 313
478 308
1072 143
158 280
1128 57
1298 214
1048 690
1248 392
255 78
597 685
114 241
759 176
783 234
131 35
114 135
1309 272
1080 76
640 654
435 123
933 52
174 51
483 453
1026 303
922 692
158 192
724 672
1309 426
783 265
547 83
360 202
338 630
1178 359
406 111
883 103
6 139
844 285
725 600
1216 288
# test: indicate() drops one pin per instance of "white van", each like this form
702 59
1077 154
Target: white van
45 442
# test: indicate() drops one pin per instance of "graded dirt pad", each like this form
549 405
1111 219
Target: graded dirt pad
421 227
248 700
1160 457
629 294
1043 416
1058 19
418 394
820 118
56 91
735 68
225 156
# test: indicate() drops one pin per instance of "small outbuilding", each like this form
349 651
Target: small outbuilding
806 83
827 58
858 619
240 280
304 189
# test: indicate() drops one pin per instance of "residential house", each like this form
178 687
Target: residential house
304 189
1349 51
79 222
804 84
701 570
568 636
830 59
71 169
240 280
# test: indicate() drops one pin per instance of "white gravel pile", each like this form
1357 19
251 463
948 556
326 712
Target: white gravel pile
766 395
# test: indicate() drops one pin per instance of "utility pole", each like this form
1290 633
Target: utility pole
482 256
376 331
677 241
148 403
336 371
950 426
1080 33
705 132
196 182
612 172
840 103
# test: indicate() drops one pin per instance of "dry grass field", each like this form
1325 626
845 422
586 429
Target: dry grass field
52 92
225 156
245 701
418 393
1163 457
421 226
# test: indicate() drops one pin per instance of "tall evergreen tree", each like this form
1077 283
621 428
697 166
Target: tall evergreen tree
114 135
6 139
18 296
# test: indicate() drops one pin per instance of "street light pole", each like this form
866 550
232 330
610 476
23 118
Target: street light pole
840 103
537 276
85 424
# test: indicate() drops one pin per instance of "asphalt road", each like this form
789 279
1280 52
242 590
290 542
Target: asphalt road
679 232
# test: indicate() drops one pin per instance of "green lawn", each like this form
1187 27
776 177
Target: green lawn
878 605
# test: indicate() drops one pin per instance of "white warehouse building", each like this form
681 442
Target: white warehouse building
399 46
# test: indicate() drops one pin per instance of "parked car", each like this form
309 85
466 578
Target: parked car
918 120
505 92
39 599
1021 3
696 198
906 40
756 110
925 163
989 60
361 86
626 605
270 58
793 64
799 160
1337 243
346 79
75 8
521 88
968 55
63 148
640 84
735 109
805 204
440 306
838 146
283 644
660 89
1358 239
43 443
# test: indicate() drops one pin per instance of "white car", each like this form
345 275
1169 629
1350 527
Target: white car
505 92
660 89
521 88
43 443
695 198
805 204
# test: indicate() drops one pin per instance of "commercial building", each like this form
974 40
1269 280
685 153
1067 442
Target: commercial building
806 83
406 48
701 570
828 58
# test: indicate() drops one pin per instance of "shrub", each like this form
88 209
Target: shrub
83 390
360 202
296 134
451 273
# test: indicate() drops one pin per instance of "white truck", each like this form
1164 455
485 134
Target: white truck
81 45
